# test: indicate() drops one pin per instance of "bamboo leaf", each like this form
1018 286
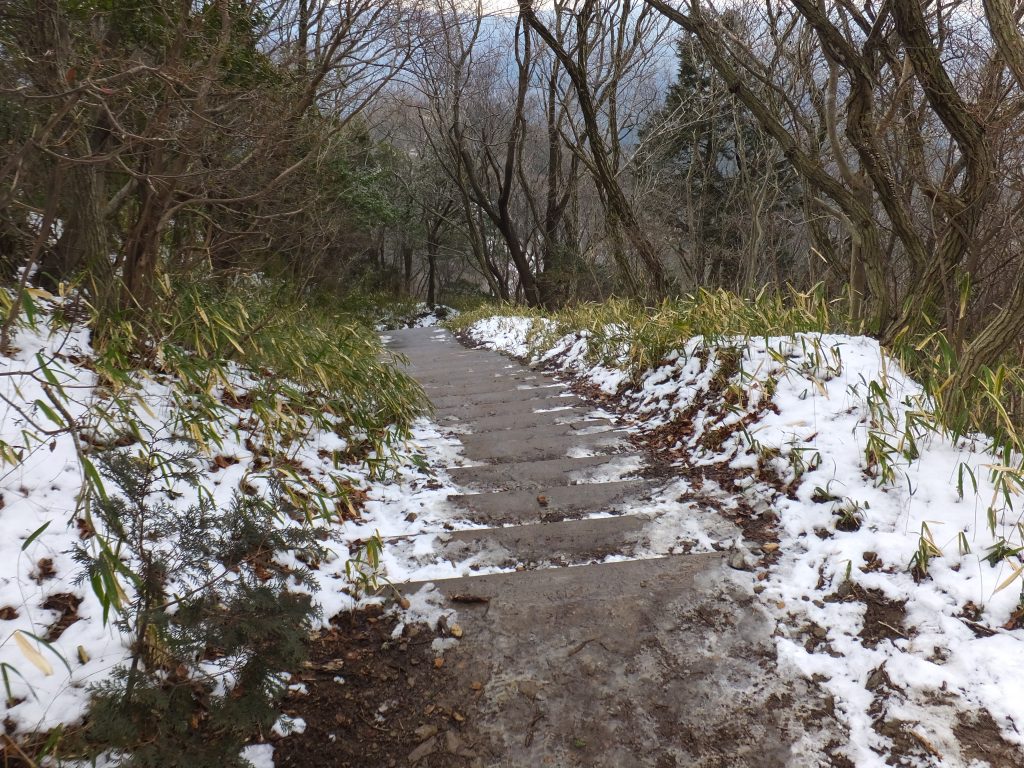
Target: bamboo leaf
35 535
35 657
1012 578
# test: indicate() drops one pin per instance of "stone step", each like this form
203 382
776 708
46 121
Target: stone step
551 503
562 543
529 475
535 445
473 411
584 427
499 395
436 358
443 369
509 421
644 663
474 382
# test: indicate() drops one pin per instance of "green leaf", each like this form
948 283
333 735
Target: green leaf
92 476
50 414
35 535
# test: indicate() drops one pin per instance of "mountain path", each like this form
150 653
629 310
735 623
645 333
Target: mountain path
593 652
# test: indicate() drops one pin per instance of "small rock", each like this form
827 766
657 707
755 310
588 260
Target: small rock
438 662
819 632
845 589
739 561
770 547
428 747
877 679
456 630
528 688
452 742
424 732
411 517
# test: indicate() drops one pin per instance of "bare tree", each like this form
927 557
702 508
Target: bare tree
899 121
621 33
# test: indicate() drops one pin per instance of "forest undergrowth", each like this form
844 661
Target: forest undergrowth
170 490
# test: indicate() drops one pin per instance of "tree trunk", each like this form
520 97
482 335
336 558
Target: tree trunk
619 210
431 274
406 251
84 242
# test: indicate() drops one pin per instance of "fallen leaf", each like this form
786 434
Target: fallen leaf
45 569
476 685
223 462
458 717
771 546
40 293
85 529
439 662
32 654
456 630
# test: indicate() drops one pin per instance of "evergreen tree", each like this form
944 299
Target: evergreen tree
211 603
707 157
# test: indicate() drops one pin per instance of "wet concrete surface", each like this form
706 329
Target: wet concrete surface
623 659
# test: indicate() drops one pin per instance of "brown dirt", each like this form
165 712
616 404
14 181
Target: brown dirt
883 618
66 604
909 746
394 701
980 739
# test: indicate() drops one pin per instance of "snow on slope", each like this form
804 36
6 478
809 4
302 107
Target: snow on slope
820 431
39 499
